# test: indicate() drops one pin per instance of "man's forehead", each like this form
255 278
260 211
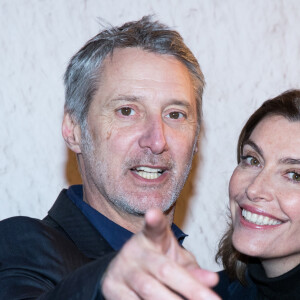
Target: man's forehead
129 55
138 64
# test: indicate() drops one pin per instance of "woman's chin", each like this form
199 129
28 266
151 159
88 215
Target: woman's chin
250 247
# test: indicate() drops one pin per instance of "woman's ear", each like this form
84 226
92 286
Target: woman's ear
71 133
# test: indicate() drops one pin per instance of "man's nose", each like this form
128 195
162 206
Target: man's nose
261 187
154 136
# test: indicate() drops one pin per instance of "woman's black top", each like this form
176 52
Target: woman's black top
260 287
284 287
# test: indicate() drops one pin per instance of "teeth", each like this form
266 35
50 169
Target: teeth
148 173
259 219
149 170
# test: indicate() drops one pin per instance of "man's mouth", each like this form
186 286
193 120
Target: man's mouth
259 219
148 173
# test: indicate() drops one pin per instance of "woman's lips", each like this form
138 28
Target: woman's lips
259 219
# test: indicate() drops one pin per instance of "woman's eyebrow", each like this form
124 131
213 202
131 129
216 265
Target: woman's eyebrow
250 143
289 161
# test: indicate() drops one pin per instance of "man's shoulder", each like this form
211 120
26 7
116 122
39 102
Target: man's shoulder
19 235
16 227
30 244
24 228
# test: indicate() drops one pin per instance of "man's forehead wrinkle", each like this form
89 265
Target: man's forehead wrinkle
182 80
182 84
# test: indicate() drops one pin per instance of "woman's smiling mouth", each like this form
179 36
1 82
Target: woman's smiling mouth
259 219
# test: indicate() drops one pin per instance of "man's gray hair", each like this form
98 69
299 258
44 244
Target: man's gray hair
82 77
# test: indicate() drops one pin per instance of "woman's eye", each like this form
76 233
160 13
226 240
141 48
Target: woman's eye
176 115
127 111
253 161
294 176
250 160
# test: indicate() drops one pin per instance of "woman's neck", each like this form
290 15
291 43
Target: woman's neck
277 266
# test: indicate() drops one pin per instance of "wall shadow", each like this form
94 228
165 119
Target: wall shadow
71 169
189 188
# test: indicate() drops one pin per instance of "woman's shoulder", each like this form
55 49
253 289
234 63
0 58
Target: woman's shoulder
233 289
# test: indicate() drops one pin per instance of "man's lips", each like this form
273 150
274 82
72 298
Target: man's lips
147 172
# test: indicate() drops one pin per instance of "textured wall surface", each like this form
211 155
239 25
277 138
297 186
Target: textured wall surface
249 51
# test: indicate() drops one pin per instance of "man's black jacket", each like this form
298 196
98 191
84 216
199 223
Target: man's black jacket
60 257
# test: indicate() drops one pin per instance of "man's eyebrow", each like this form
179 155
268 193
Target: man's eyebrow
179 102
254 146
126 98
130 98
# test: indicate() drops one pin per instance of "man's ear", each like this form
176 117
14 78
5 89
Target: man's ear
195 149
71 133
196 145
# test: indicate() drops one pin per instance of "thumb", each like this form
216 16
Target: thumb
157 229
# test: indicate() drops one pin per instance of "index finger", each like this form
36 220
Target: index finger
157 229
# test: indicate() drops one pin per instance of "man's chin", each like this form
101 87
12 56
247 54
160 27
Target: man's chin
141 205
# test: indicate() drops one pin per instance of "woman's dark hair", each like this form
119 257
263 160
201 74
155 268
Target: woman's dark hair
287 105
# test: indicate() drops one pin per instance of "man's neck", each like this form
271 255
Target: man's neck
133 223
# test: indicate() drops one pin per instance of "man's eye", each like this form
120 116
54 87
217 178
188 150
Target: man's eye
294 176
175 115
127 111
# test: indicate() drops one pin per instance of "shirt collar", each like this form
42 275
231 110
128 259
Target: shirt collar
113 233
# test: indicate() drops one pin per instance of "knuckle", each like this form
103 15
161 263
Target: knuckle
145 289
143 285
107 286
165 269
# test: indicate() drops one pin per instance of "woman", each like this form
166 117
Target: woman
261 249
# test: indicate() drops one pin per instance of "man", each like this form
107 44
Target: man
132 116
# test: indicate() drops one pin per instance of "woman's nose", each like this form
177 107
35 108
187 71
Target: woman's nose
260 187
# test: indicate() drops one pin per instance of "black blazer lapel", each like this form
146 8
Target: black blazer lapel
77 227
